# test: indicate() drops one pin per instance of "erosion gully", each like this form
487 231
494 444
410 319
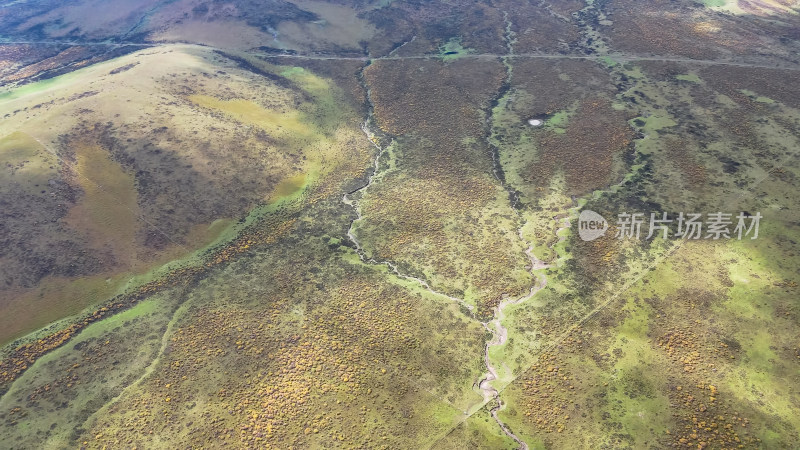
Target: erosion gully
347 200
495 326
498 331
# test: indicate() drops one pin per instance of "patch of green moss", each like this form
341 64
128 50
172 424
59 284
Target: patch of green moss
452 50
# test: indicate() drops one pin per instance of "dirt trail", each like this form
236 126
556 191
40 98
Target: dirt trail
616 57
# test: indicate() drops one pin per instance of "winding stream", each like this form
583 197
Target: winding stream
500 333
365 127
495 326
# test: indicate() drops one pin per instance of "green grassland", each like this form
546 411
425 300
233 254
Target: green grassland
453 49
360 353
123 211
664 361
299 234
438 211
329 340
52 400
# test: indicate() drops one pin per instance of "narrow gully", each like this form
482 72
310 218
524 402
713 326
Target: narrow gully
347 200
